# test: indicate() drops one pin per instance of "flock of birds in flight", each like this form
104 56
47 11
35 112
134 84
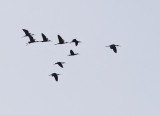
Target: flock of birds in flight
61 41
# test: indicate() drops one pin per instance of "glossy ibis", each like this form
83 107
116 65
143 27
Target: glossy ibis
55 75
27 34
45 39
60 64
75 41
61 41
113 46
72 53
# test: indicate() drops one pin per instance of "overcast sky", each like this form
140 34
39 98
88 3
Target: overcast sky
96 82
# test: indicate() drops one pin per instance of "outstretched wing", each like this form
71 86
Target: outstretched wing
114 49
44 37
60 39
74 40
26 32
76 43
56 77
71 52
60 64
31 38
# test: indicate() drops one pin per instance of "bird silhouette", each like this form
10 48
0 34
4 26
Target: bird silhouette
75 41
60 64
45 39
113 46
72 53
27 33
55 75
61 41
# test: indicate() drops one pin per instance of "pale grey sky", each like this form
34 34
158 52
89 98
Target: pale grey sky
96 82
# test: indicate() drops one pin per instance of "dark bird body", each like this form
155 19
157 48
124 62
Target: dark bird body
61 41
72 53
113 46
45 39
55 75
75 41
60 64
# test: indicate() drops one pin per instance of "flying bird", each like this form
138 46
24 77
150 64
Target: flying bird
113 46
72 53
55 75
45 39
75 41
27 33
61 41
60 64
